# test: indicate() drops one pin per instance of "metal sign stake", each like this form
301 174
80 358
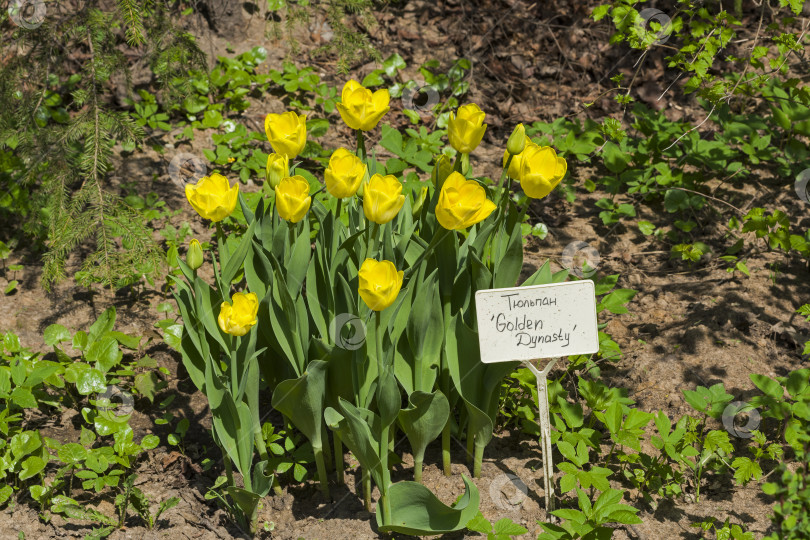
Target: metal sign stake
545 429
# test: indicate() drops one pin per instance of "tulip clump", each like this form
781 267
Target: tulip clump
315 263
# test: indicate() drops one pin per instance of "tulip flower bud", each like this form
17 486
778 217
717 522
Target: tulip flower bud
517 140
194 257
419 202
465 164
441 170
278 167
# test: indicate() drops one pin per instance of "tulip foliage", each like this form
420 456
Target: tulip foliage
399 267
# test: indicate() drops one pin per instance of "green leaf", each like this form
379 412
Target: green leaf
149 442
417 511
769 386
423 421
103 324
91 380
32 466
72 453
646 227
147 384
745 470
56 333
479 524
507 527
104 353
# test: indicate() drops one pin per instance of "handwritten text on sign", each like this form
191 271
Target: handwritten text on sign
542 321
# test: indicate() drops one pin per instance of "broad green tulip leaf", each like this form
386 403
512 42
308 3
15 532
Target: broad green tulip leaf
356 427
246 211
262 482
510 255
424 419
425 335
462 290
476 382
415 510
295 266
190 347
481 276
302 329
388 396
208 303
543 276
302 400
340 372
236 259
258 278
233 424
316 301
247 501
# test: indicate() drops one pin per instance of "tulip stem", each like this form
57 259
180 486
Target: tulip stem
361 145
386 474
291 234
371 245
505 169
444 384
338 458
366 480
335 235
479 457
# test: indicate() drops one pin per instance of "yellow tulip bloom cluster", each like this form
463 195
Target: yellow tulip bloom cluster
538 169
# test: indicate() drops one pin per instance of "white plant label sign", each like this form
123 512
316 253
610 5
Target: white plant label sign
541 321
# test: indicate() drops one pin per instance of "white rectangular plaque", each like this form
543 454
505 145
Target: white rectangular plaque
541 321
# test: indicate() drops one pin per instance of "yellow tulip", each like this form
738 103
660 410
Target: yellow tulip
517 159
541 169
213 197
292 198
344 173
286 132
466 128
236 319
278 167
379 283
382 198
360 108
462 203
